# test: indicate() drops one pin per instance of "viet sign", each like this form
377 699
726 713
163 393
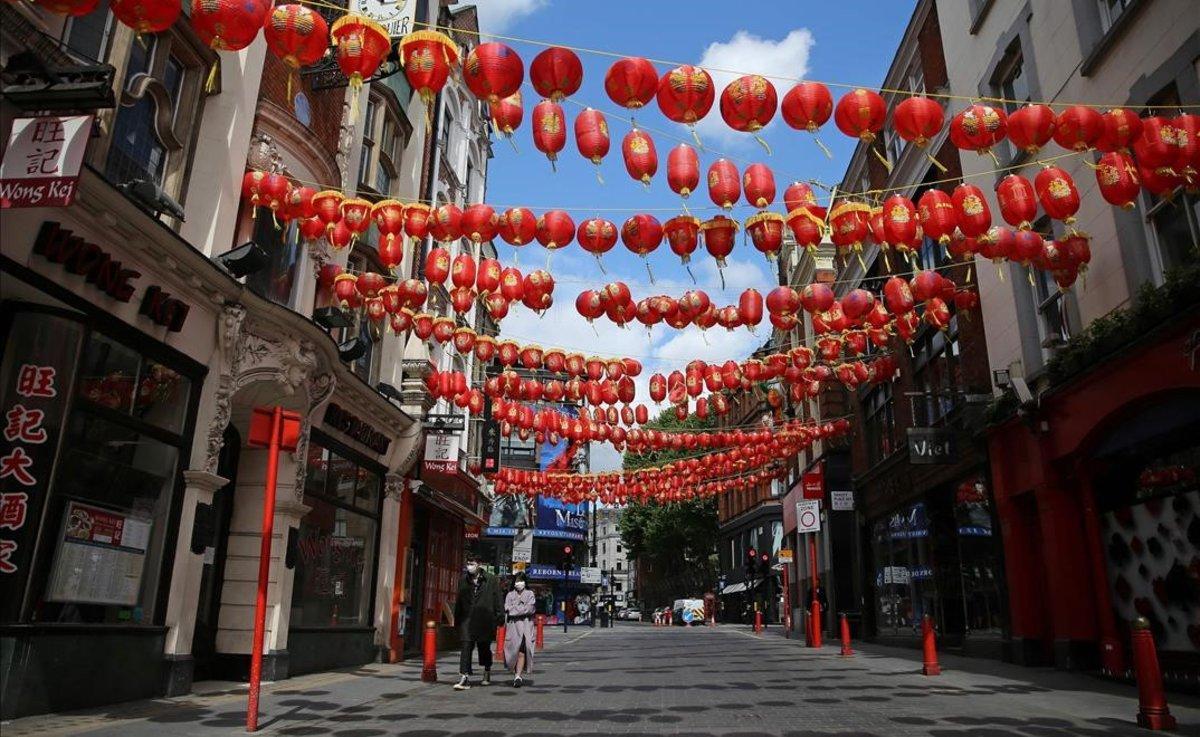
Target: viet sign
841 501
808 516
930 445
42 162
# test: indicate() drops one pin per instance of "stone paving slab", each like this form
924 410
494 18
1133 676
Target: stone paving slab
642 680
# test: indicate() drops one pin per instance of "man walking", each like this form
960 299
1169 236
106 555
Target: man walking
476 613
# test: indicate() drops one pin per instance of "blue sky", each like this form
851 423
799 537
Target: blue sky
850 42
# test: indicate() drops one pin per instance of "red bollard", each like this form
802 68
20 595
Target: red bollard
429 666
758 623
540 636
929 645
846 649
816 625
500 643
1152 703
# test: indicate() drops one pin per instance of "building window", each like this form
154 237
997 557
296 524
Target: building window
1173 221
618 547
895 144
618 565
1054 325
335 565
367 155
90 36
1110 11
1012 83
277 280
158 107
385 134
100 511
938 378
879 421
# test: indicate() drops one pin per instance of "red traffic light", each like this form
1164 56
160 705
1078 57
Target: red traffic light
566 550
752 553
766 557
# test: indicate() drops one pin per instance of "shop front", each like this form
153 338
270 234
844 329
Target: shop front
1102 522
102 365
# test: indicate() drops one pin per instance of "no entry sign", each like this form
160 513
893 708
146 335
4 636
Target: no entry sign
808 516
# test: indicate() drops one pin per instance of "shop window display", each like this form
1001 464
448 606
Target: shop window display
978 563
905 585
335 566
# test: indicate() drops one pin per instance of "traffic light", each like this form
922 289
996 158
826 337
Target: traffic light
751 563
765 565
567 560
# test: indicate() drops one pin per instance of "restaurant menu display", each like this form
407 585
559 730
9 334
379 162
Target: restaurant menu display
101 557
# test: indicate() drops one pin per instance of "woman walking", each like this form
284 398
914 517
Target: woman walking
519 606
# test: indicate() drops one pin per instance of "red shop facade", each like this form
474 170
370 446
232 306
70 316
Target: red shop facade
1097 492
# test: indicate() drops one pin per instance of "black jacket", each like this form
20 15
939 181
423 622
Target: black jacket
477 614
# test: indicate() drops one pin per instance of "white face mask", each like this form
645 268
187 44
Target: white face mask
472 568
520 585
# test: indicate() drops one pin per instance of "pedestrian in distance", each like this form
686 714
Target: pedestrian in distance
519 608
476 613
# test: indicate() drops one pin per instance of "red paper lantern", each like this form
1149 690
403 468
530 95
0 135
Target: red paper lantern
445 223
555 229
1187 142
1078 128
971 210
1031 127
369 283
683 236
724 184
549 129
507 114
848 225
1057 194
1156 147
807 106
641 234
517 226
156 16
1024 247
391 250
556 73
631 82
750 308
356 215
806 227
937 214
898 296
227 25
462 270
479 223
683 170
1018 201
978 127
591 135
597 236
1121 129
71 8
719 235
487 278
798 194
416 220
428 57
388 216
901 224
748 104
361 46
758 181
641 159
686 94
766 233
512 284
860 114
493 71
1118 179
918 119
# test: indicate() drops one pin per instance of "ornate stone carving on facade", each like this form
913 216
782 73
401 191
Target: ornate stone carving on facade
319 389
248 356
264 154
345 142
393 486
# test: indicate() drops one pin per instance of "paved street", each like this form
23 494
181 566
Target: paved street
641 680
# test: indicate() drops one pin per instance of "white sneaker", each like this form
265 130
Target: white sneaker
463 684
487 678
517 682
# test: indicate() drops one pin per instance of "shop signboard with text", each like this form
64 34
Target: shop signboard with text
42 161
560 520
441 453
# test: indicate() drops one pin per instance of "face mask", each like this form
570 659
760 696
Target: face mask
520 585
472 568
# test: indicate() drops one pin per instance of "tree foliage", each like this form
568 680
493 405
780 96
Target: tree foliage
674 540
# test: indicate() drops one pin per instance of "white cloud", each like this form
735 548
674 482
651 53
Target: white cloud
750 54
605 458
495 16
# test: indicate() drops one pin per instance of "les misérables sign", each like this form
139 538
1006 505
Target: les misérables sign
42 162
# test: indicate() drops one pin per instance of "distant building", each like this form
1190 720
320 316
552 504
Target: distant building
612 557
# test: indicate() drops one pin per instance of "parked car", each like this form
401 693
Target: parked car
631 614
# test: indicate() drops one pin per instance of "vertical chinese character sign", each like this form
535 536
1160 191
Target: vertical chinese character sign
35 380
42 162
